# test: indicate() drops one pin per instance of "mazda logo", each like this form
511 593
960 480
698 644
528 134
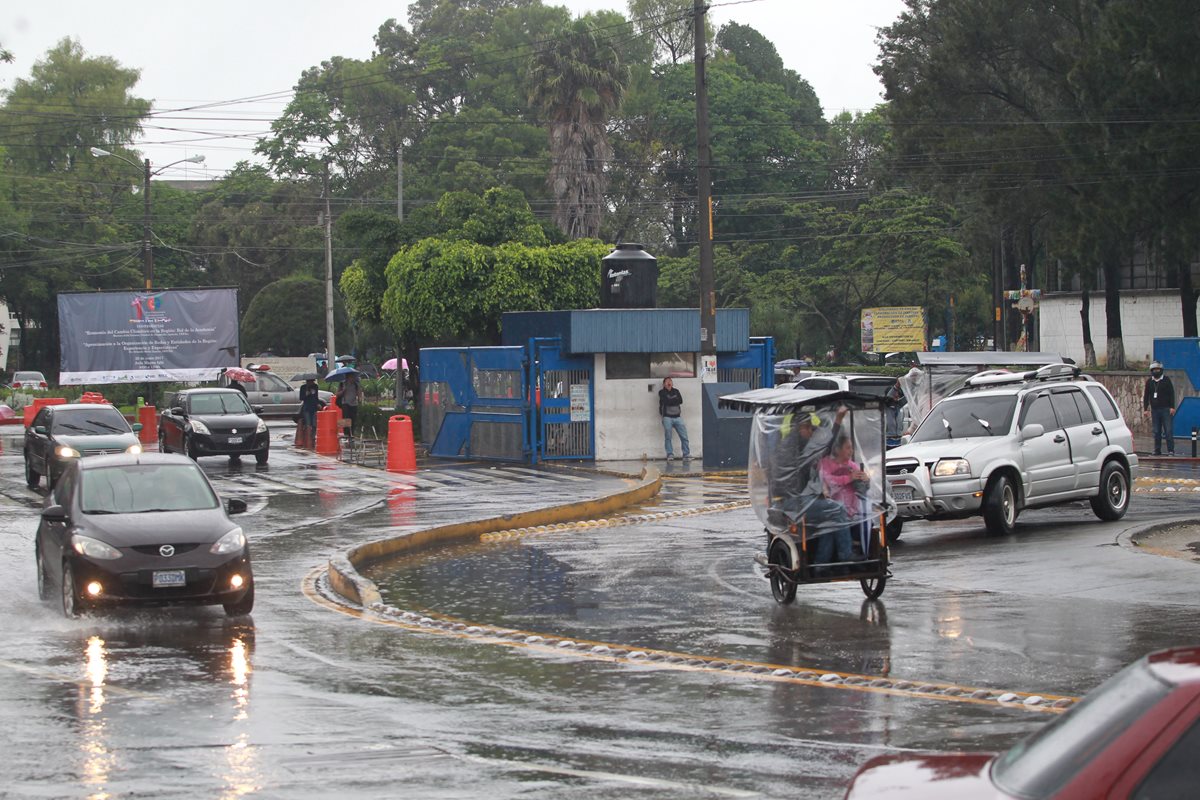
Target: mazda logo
166 551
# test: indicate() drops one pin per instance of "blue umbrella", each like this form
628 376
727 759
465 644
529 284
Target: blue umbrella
340 374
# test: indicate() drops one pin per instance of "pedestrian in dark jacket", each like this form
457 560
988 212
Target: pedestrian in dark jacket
1158 403
670 405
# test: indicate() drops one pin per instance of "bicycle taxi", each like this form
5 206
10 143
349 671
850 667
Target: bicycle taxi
817 481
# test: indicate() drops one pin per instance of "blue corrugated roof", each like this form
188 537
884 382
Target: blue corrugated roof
628 330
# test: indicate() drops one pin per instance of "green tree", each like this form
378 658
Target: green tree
63 199
578 81
669 24
288 317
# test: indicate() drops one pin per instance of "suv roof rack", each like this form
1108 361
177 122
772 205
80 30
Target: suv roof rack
995 378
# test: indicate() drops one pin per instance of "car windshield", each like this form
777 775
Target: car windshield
138 488
1042 764
89 421
218 403
965 415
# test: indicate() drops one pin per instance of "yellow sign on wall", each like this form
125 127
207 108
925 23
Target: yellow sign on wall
893 329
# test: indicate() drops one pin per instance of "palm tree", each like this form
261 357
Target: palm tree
578 80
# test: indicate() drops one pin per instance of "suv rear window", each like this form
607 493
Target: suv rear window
1108 409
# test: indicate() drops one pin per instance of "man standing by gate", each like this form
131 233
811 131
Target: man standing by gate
670 403
1158 403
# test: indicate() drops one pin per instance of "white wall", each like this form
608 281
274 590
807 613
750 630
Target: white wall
626 416
1145 315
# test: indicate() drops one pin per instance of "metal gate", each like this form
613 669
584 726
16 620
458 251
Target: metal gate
474 402
564 393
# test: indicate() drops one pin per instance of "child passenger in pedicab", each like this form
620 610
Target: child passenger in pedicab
815 484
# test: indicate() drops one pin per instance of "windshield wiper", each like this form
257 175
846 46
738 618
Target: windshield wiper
983 423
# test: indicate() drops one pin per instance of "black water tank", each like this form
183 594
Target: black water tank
629 278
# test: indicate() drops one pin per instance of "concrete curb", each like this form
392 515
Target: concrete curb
1131 538
346 581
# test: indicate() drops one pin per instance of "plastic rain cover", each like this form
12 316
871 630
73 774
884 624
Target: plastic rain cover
818 467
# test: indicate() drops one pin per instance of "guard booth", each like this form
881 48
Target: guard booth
581 385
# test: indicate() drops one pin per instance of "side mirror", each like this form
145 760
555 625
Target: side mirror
40 430
137 426
256 409
235 506
178 411
1032 431
54 513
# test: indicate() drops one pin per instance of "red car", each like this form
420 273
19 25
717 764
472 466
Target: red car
1137 736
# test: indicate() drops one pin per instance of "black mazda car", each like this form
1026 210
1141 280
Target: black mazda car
213 422
144 529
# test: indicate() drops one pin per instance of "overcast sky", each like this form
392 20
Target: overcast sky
193 54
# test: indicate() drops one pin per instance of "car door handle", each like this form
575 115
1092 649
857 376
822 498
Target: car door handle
1097 431
1059 439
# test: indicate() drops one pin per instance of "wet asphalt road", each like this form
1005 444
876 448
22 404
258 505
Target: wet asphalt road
304 701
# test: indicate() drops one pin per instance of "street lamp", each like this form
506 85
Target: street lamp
147 252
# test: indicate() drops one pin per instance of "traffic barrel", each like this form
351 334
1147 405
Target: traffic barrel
148 417
401 452
327 432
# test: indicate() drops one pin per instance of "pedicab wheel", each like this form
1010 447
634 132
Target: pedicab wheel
873 587
782 568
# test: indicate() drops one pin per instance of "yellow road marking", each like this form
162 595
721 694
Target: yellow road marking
667 659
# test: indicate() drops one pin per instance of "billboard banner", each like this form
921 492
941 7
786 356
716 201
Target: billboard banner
172 335
893 329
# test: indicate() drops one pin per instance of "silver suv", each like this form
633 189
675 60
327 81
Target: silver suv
1012 441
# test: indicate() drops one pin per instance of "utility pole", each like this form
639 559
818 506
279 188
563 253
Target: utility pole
708 302
400 181
147 250
331 352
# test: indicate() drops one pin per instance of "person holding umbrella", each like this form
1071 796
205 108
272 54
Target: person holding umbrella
310 402
349 397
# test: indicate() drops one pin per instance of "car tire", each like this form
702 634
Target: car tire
1000 506
242 607
1112 501
893 530
261 456
235 459
43 587
189 447
32 476
70 600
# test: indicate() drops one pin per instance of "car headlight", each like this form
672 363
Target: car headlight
62 451
199 427
231 542
951 466
94 548
262 427
134 449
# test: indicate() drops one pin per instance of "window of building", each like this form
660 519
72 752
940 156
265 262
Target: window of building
624 366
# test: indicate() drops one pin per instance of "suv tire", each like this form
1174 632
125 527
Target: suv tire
1000 506
1112 501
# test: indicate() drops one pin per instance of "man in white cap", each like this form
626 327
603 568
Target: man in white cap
1158 404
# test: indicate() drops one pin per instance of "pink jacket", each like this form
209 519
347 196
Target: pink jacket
836 476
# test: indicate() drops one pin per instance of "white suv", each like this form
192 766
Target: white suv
1012 441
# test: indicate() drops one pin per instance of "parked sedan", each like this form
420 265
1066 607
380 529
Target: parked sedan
213 422
59 435
143 529
1136 737
29 380
276 397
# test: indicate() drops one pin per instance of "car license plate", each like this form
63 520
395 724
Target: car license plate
235 440
169 577
902 494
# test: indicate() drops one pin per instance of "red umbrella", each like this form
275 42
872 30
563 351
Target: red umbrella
239 374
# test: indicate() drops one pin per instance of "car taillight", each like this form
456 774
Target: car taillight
42 385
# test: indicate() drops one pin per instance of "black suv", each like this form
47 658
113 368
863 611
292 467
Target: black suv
213 422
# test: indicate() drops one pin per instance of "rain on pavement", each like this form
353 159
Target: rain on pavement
303 701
